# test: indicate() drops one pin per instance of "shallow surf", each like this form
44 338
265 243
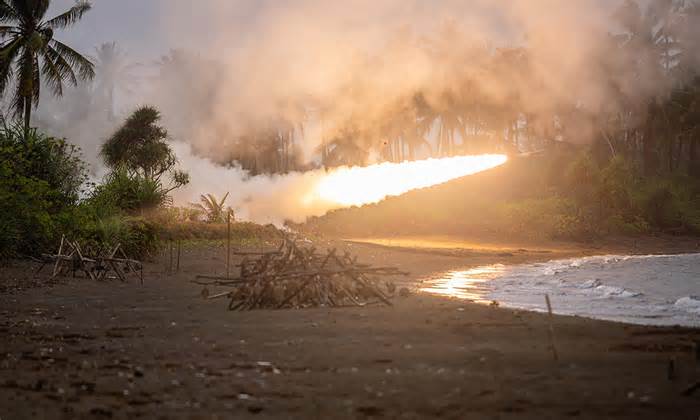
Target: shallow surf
638 289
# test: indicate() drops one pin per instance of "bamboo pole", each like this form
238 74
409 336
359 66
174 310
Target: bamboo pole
60 251
550 330
179 248
228 244
170 264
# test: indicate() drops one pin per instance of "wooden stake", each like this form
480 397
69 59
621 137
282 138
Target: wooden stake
550 330
228 244
179 248
671 371
170 266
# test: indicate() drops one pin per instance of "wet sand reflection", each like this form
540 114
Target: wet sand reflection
468 284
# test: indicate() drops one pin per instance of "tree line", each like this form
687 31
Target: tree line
648 69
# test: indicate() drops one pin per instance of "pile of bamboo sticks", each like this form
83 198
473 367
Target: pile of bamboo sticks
300 277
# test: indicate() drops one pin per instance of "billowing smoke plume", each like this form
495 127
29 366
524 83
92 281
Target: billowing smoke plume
352 64
303 73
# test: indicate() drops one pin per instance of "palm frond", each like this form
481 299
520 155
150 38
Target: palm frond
70 17
85 68
53 75
6 74
206 203
223 200
30 10
198 206
213 202
212 207
8 53
7 12
62 65
6 30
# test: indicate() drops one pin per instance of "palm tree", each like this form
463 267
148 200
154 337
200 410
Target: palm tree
212 207
113 71
26 37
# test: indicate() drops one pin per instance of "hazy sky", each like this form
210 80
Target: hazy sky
148 28
133 23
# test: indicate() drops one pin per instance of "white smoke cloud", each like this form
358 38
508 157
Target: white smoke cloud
353 59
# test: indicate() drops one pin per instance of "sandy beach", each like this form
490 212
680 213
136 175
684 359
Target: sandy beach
81 349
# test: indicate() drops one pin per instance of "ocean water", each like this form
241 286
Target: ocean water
645 289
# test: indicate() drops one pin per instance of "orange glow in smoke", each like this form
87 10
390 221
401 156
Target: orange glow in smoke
365 185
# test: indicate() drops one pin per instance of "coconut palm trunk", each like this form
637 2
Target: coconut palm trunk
27 115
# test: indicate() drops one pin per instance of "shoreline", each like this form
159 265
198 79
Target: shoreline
86 349
471 283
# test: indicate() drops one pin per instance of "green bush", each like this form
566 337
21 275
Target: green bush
41 180
122 191
671 203
614 183
138 236
547 218
594 199
581 178
626 226
659 206
142 238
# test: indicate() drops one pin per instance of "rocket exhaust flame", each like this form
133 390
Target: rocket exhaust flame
365 185
299 195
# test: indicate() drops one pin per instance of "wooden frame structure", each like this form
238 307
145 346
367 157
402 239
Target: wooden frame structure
71 258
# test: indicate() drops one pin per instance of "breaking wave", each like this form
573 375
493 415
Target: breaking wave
644 289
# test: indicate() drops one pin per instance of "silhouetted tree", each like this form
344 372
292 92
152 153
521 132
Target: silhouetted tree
140 146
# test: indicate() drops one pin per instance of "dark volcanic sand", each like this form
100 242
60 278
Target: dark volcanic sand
81 349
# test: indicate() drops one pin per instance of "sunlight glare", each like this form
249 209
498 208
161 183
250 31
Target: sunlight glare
468 284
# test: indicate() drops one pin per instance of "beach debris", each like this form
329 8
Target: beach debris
691 389
295 276
96 265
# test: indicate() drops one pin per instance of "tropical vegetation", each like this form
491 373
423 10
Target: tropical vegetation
625 162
